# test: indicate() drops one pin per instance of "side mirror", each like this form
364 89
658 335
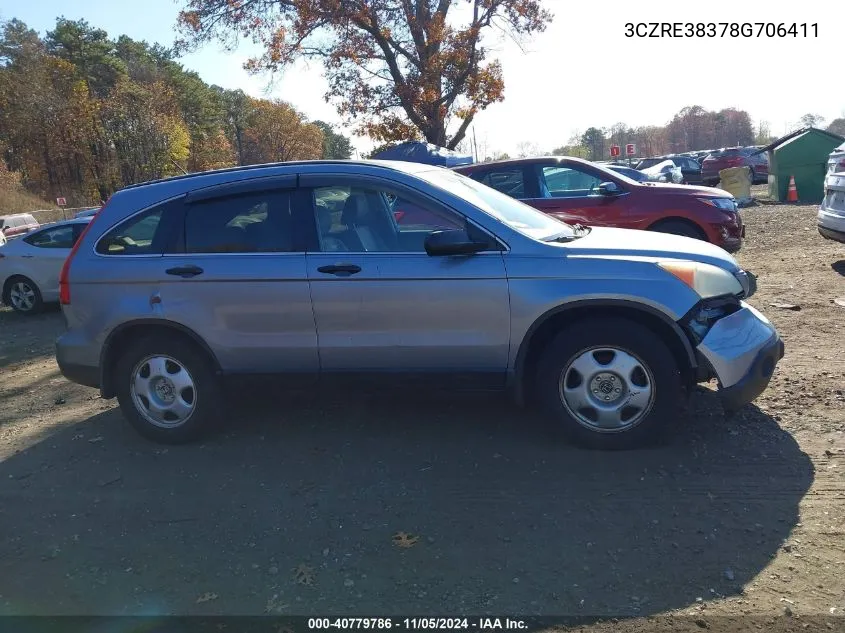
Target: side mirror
452 242
609 189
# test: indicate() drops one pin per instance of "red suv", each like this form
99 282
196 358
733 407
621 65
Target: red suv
735 157
578 191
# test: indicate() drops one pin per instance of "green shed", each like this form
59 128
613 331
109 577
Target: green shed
803 154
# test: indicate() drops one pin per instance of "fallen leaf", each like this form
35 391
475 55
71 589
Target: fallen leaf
207 597
275 605
94 440
840 302
303 574
404 540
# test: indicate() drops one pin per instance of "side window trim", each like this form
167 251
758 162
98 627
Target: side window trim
250 185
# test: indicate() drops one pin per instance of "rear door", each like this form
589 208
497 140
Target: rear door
238 279
44 252
226 263
382 304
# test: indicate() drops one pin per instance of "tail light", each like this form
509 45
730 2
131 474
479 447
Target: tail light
64 282
840 166
398 215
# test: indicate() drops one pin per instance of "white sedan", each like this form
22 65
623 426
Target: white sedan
30 266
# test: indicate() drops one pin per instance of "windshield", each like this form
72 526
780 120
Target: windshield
515 214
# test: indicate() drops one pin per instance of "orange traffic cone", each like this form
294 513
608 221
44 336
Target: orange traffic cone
792 191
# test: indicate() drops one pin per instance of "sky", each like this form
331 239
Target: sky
582 71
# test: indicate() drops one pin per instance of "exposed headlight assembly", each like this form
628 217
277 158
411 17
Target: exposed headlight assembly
725 204
705 279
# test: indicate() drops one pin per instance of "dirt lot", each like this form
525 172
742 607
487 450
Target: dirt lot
294 510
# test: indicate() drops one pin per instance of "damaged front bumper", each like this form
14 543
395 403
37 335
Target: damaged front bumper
742 349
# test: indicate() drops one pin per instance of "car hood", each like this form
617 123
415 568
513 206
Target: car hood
686 190
629 243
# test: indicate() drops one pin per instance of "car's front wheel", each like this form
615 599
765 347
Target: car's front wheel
610 383
167 389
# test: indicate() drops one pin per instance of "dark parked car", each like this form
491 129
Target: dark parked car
735 157
690 167
575 190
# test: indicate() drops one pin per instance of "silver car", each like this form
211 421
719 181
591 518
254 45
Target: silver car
302 269
30 266
831 215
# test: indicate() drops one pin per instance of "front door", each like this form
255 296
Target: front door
382 304
571 193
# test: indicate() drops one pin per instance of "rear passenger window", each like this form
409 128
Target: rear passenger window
135 236
508 181
257 222
59 237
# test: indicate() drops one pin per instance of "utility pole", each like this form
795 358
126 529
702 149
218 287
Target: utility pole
474 146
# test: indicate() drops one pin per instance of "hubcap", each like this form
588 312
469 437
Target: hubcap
22 296
163 391
606 389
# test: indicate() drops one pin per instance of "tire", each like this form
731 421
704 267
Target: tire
753 176
679 227
23 296
180 399
610 355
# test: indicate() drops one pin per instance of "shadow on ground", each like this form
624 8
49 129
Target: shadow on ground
25 338
839 266
509 519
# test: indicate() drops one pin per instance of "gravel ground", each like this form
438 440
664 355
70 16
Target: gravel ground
448 504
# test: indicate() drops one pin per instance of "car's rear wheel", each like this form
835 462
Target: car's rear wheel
167 389
23 295
611 383
679 227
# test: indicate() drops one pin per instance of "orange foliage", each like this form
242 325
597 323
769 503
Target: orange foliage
399 68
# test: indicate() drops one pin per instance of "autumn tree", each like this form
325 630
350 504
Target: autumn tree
837 126
277 133
810 120
335 145
593 140
525 149
399 68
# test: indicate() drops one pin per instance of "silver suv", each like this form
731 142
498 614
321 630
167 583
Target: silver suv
304 268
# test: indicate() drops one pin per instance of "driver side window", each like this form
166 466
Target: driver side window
566 182
358 219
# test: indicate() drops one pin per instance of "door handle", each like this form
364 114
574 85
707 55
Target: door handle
341 270
27 256
185 271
